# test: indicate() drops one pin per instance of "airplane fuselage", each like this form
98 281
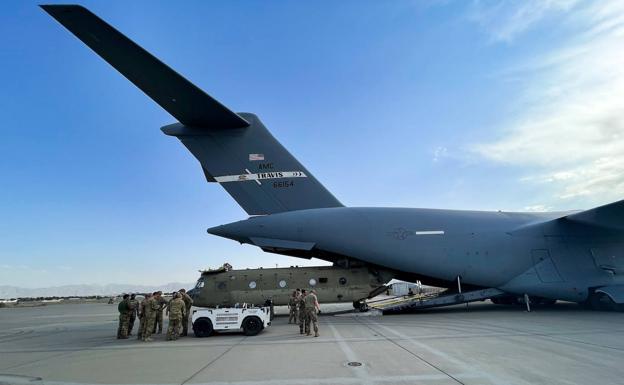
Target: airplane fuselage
516 252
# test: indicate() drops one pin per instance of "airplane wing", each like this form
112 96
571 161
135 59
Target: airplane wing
610 216
178 96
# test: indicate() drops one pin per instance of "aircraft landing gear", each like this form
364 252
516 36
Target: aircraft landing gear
360 305
601 301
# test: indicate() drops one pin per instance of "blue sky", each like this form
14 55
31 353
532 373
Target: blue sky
444 104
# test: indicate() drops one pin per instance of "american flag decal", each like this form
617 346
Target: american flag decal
254 157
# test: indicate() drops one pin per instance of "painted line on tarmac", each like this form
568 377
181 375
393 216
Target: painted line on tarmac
360 372
558 337
213 360
463 366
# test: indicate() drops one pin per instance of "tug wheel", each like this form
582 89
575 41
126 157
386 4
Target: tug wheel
252 326
202 327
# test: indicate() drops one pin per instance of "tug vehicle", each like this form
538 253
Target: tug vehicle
249 320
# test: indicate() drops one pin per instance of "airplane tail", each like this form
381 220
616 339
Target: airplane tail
254 168
609 216
235 150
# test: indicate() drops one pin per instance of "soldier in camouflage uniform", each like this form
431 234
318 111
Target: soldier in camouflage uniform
134 307
292 307
302 314
124 317
168 307
142 319
159 314
176 312
151 306
188 302
311 307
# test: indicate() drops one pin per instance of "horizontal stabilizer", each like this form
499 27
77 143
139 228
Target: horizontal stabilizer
178 96
610 216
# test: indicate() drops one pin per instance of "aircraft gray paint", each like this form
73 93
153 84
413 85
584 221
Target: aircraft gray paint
575 256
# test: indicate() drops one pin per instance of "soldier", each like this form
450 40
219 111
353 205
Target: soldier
134 307
311 307
142 318
176 311
151 307
124 316
188 302
292 307
167 309
301 309
159 314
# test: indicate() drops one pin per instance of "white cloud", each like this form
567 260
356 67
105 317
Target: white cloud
571 128
439 153
537 208
505 20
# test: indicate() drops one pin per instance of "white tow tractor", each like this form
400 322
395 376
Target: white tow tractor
251 320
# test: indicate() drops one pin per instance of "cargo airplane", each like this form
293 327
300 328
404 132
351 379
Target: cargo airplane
574 256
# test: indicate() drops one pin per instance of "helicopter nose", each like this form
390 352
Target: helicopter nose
192 293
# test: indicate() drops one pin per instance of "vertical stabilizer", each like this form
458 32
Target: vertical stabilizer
254 168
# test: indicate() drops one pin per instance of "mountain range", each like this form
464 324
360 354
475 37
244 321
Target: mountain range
7 292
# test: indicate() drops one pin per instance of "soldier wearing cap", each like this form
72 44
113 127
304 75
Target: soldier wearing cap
311 309
158 324
175 310
124 317
151 307
188 302
301 311
134 308
292 307
142 318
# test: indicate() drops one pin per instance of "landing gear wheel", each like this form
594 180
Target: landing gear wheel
601 301
252 326
202 327
360 305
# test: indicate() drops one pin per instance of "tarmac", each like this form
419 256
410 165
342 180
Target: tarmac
486 344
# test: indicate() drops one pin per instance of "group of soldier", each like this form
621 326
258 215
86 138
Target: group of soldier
304 307
150 314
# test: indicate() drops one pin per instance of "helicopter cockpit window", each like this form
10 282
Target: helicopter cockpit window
200 283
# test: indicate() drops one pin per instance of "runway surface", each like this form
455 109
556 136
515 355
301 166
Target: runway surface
489 344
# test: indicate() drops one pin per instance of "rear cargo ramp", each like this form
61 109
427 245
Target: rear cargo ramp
416 302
